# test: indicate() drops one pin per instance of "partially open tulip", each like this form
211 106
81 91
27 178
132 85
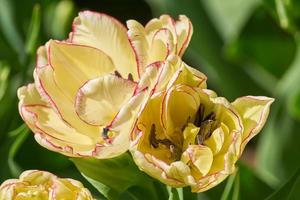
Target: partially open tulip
188 136
41 185
85 97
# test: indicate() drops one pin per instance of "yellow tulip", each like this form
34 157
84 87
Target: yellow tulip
88 90
41 185
188 136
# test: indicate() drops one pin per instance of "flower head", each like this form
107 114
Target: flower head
88 90
188 136
41 185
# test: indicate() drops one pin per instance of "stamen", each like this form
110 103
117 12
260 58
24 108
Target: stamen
104 133
199 115
210 116
130 77
206 124
152 138
118 74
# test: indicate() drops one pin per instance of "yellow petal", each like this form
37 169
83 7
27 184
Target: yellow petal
50 130
100 99
184 31
254 111
179 105
215 141
122 126
189 135
161 46
107 34
186 74
200 158
137 36
71 66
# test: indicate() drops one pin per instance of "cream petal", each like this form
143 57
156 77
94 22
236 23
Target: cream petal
185 74
107 34
184 31
50 130
100 99
161 45
122 127
216 140
199 157
179 103
254 111
138 40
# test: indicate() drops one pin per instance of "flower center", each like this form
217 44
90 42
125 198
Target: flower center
175 150
206 123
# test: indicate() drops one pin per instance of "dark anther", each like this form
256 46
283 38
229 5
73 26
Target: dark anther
165 142
153 141
206 124
104 133
210 116
205 131
199 115
118 74
130 77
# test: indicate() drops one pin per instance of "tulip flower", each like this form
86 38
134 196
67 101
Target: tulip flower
41 185
188 136
88 90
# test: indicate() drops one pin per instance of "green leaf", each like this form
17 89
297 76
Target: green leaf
263 48
58 18
9 29
175 193
229 16
21 134
4 73
287 13
290 190
229 186
116 176
34 30
278 145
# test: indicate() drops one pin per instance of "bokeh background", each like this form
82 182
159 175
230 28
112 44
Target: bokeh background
244 47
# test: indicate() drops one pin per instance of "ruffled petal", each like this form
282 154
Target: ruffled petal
180 99
216 140
184 31
107 34
100 99
50 130
199 157
254 111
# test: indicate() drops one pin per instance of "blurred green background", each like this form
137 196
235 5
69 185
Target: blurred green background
244 47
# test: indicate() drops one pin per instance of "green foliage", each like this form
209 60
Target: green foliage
117 176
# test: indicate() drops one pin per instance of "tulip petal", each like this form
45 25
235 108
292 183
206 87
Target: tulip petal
107 34
186 74
184 31
100 99
254 111
71 66
180 99
200 158
138 40
50 130
161 46
216 140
